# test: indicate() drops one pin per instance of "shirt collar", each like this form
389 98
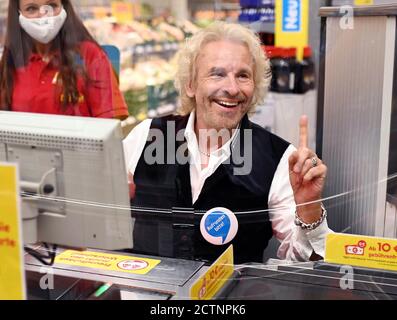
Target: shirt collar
37 57
192 142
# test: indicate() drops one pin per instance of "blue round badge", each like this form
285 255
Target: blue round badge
219 226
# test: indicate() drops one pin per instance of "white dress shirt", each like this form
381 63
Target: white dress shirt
295 243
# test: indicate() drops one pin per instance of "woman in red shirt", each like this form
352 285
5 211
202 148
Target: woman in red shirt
51 64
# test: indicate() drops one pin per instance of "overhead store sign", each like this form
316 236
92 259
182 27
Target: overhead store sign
12 275
292 24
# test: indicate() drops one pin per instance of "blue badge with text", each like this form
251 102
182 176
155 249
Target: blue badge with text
292 16
219 226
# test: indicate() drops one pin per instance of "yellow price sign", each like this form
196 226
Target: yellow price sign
363 2
107 261
214 279
362 251
123 11
100 12
12 275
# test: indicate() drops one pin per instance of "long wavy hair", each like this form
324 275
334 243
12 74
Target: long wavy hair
187 57
19 46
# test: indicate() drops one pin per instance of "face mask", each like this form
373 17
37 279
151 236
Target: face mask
44 29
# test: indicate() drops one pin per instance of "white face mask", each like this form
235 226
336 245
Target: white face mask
44 29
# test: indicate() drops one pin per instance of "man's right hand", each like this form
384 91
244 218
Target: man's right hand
307 177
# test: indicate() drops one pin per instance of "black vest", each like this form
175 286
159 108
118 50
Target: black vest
176 232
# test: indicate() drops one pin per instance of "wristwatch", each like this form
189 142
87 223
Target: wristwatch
310 226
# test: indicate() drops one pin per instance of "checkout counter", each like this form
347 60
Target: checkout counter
372 137
171 279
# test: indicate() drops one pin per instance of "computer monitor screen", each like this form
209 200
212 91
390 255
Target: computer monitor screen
72 177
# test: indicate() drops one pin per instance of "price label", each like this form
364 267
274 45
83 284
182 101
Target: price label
363 2
363 251
12 275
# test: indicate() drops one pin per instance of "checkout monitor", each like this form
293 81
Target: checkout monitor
72 179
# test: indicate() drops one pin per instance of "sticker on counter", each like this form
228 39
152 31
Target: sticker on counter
362 251
106 261
219 226
12 273
209 284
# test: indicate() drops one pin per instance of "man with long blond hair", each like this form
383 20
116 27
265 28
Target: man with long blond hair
210 155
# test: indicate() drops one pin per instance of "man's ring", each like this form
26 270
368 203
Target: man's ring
314 162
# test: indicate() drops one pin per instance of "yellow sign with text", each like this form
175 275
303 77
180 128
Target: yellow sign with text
100 12
12 275
123 11
292 25
107 261
363 2
362 251
216 276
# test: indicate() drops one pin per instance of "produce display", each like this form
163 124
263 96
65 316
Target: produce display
147 64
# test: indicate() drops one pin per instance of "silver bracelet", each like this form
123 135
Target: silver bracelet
310 226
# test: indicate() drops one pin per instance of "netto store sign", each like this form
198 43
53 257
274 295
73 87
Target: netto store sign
292 16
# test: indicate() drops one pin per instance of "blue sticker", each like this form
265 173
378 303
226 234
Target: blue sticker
292 16
219 226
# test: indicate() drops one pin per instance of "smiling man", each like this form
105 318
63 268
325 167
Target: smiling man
222 75
223 85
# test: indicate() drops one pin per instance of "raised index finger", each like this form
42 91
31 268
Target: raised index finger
303 131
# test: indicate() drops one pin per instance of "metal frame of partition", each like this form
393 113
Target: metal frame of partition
356 105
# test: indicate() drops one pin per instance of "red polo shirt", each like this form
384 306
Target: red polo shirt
36 88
